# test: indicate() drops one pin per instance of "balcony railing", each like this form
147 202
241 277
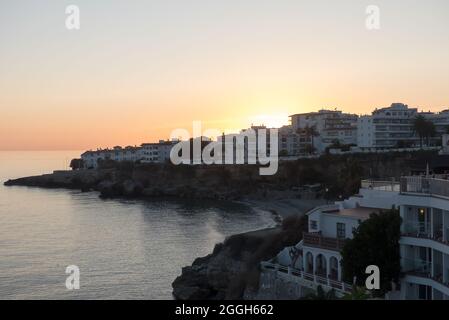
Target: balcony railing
318 241
299 275
423 230
381 185
425 269
417 229
429 186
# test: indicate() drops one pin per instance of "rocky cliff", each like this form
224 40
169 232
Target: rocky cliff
233 266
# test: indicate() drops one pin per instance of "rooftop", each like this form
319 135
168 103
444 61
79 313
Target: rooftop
359 212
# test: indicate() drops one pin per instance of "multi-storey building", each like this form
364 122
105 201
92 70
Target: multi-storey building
440 120
147 152
331 126
388 127
316 260
246 142
92 158
423 203
292 142
156 152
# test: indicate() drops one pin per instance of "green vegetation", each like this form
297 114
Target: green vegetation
76 164
321 295
424 128
375 242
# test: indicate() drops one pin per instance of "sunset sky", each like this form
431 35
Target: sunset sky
138 69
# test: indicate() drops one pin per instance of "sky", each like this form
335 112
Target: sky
136 70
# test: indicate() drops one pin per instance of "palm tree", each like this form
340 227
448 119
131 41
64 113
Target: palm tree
311 132
420 127
430 131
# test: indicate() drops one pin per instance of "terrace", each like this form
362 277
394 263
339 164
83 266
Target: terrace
308 279
436 185
318 241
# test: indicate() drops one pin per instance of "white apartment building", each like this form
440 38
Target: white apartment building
316 260
392 127
146 153
293 143
424 244
445 145
247 141
440 120
331 125
156 152
92 158
387 127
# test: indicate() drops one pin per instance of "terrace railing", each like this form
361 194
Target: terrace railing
297 275
425 185
381 185
318 241
425 269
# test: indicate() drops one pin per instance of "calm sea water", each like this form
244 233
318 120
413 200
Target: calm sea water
125 249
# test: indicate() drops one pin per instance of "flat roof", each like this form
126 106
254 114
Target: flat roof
359 212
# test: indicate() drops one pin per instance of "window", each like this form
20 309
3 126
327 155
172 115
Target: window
341 230
313 225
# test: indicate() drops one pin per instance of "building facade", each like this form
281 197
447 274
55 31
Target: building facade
390 127
146 153
332 126
423 203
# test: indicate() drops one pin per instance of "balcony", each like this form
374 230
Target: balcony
425 269
318 241
435 186
381 185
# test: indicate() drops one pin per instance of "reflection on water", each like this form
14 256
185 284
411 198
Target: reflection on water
125 249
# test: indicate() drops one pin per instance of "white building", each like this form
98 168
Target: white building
331 125
392 127
424 244
387 127
146 153
156 152
92 158
293 143
445 145
316 260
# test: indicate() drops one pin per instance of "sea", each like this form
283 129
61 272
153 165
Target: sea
123 249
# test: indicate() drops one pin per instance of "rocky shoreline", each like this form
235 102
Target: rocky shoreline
232 270
233 267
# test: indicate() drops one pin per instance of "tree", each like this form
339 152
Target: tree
375 242
309 148
283 153
420 128
430 131
321 295
358 293
311 132
76 164
424 128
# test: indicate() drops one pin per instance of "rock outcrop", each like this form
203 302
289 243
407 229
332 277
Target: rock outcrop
233 266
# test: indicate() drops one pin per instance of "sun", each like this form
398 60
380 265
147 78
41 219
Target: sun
275 120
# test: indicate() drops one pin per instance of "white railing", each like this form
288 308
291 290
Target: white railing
425 269
381 185
299 275
316 240
417 229
423 185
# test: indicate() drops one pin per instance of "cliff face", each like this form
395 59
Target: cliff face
340 174
233 267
